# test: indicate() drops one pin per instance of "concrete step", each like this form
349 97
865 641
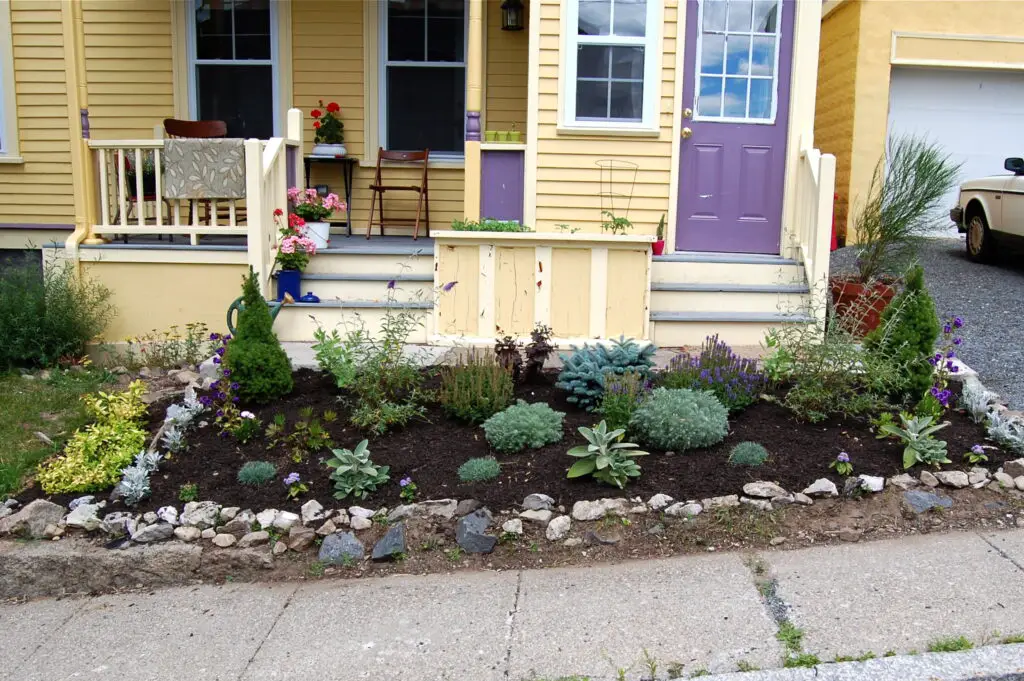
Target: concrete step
298 322
368 287
677 329
726 268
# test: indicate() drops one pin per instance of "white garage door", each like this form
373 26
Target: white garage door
977 116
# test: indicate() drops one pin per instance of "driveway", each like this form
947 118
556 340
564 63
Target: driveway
990 298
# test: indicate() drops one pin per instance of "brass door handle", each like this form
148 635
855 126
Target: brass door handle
686 133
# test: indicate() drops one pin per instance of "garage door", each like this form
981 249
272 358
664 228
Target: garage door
977 116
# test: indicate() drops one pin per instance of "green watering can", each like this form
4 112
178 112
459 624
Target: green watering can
237 306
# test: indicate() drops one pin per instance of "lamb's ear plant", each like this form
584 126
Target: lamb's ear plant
916 436
354 473
604 457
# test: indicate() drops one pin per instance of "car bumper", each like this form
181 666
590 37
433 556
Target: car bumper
956 214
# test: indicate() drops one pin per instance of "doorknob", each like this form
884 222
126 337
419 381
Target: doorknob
687 113
686 133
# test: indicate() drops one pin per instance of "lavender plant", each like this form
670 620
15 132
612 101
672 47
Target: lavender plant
736 382
944 362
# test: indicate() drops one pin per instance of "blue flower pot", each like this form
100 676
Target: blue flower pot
289 281
309 298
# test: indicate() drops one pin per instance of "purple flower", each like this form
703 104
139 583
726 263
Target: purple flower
391 284
234 386
291 479
227 372
404 482
449 286
978 449
214 336
933 361
843 457
216 360
953 368
227 338
958 341
950 354
958 322
235 400
947 329
220 351
220 413
934 391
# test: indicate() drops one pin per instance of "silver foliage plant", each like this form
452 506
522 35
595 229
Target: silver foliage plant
977 401
1007 431
179 419
134 485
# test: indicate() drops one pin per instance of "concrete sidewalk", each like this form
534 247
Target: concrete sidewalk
700 612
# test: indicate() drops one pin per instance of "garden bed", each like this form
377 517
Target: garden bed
431 450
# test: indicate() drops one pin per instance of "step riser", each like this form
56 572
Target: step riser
367 290
725 273
678 334
296 323
717 301
368 263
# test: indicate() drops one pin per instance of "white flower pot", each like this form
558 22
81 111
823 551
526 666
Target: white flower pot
329 150
319 233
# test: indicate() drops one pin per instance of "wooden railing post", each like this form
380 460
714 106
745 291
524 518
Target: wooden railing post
823 228
257 244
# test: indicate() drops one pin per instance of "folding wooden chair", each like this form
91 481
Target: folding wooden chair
378 188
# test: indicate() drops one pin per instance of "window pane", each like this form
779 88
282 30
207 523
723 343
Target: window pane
763 62
406 32
627 100
709 102
252 29
714 14
592 61
739 15
712 54
735 98
630 17
737 55
595 17
213 32
241 96
445 30
761 98
628 62
426 108
766 16
592 99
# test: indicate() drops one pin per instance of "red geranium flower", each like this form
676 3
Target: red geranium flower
316 113
316 124
333 107
278 212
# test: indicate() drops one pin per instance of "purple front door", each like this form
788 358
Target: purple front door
736 108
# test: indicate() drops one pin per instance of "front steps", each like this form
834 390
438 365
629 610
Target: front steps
740 297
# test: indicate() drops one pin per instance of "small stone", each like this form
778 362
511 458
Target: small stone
284 520
595 510
558 528
639 509
53 532
201 514
300 537
978 476
783 501
402 512
266 517
32 520
186 377
341 549
87 499
514 526
538 502
116 524
904 481
239 527
358 522
822 487
225 540
660 501
279 548
721 502
151 372
149 517
329 527
852 487
763 490
871 483
604 536
541 517
340 518
1019 482
1014 468
470 532
803 499
168 514
777 541
391 544
1004 480
360 512
656 530
228 514
572 542
188 534
440 508
208 533
957 479
153 533
254 539
681 510
850 534
467 506
919 501
759 504
84 517
928 478
210 369
312 512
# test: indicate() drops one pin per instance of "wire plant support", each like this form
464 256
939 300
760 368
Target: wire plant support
618 178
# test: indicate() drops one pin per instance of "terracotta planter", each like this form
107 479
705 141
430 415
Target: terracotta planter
859 306
658 247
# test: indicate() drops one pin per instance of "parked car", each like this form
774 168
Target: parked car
991 212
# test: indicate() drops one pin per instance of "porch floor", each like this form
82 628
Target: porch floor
339 244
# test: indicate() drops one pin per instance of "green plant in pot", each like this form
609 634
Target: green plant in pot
906 190
658 247
148 175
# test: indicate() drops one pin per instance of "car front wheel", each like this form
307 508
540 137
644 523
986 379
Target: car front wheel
979 239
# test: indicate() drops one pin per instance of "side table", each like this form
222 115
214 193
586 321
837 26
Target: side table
348 165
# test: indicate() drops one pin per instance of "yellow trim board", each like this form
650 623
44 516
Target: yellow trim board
957 51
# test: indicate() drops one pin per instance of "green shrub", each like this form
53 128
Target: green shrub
735 381
95 455
256 473
524 426
254 356
605 457
335 356
354 473
46 316
584 371
748 454
678 420
476 390
908 333
623 394
479 468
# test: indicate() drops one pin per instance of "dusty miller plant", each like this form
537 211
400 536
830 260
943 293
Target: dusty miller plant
134 485
1007 431
977 401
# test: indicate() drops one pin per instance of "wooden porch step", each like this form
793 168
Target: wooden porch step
678 329
695 287
298 322
732 258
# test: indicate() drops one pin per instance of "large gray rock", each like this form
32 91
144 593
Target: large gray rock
87 499
1004 480
471 533
116 524
919 501
467 506
402 511
763 490
822 487
84 517
1014 468
441 508
300 537
558 528
32 520
957 479
201 514
538 502
341 549
153 533
391 545
254 539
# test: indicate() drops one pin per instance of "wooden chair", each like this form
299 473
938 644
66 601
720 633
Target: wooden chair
181 129
378 188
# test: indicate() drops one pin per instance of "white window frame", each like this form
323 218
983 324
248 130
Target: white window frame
697 67
10 151
651 42
382 89
273 63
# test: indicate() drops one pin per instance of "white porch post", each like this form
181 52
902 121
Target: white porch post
474 101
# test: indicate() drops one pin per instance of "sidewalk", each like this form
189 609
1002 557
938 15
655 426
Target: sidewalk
701 612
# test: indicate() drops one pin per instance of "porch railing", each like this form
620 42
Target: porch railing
815 189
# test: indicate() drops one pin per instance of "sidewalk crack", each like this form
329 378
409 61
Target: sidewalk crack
273 625
511 625
1002 553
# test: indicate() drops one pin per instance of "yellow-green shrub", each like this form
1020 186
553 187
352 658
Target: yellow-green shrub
95 455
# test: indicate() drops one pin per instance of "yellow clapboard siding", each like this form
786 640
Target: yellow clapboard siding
505 74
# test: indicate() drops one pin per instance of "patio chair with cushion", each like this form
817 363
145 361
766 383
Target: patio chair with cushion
414 159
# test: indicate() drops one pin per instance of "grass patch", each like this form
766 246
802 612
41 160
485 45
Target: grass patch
697 673
802 660
51 407
790 636
858 658
1016 638
744 666
950 645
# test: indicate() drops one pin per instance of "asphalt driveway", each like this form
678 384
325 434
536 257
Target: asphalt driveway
989 297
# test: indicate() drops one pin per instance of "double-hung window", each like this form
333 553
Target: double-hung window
232 60
423 82
611 63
